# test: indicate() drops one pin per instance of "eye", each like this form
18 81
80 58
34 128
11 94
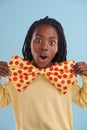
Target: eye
52 42
38 40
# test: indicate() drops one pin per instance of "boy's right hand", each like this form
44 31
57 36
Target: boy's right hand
4 69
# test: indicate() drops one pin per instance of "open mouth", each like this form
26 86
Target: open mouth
43 61
43 57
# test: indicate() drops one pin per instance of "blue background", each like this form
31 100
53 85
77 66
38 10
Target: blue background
15 18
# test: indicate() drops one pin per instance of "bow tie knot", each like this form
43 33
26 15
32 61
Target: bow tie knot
40 71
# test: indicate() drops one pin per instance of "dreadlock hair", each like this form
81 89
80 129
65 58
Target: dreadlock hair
62 47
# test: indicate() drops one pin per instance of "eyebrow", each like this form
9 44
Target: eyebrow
42 36
39 35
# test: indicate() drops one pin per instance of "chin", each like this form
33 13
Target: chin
43 66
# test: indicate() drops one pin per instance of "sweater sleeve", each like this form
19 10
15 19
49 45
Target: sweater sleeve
79 94
4 96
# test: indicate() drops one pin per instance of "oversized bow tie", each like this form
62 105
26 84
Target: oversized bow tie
23 73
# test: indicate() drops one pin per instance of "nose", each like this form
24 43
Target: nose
44 47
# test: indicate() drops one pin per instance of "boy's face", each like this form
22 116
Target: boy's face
44 45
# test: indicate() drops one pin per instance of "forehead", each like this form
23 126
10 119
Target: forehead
46 30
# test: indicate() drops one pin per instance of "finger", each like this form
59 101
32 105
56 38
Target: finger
4 73
81 69
3 63
4 68
83 73
80 66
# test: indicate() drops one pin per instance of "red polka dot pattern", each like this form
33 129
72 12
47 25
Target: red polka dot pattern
23 73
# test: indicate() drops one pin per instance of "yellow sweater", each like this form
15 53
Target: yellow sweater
41 106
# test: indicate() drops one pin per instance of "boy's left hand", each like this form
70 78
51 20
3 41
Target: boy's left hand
80 68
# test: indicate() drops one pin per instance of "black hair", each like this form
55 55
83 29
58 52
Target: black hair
62 47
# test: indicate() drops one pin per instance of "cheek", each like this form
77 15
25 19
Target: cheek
32 45
34 49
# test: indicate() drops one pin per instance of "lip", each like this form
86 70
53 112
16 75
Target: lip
41 62
43 57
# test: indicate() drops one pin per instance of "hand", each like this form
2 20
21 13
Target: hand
80 68
4 69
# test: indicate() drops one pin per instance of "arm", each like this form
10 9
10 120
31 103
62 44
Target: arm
4 96
79 94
